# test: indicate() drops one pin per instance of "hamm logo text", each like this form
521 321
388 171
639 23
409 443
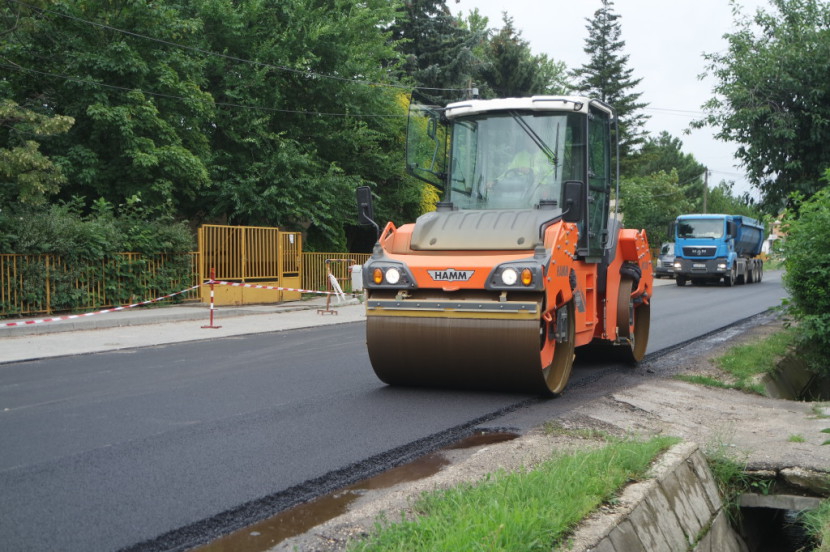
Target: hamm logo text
451 275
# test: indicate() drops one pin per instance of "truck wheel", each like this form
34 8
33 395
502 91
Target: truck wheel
750 275
680 280
729 279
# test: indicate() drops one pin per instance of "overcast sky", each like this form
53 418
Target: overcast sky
664 39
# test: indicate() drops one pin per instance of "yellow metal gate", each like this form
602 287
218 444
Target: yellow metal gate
250 255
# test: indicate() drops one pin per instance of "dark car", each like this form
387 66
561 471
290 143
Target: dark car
665 261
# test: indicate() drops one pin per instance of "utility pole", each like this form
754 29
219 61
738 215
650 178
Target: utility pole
705 188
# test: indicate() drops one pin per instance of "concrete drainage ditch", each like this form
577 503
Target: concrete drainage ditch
679 508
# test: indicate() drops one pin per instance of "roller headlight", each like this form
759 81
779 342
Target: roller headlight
516 276
509 276
393 275
387 274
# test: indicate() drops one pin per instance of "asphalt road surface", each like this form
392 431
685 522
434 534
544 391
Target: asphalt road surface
166 447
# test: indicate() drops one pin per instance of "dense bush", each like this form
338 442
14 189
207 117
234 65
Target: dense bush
85 268
807 278
62 229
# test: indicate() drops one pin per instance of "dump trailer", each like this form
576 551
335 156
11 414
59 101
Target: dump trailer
714 248
521 265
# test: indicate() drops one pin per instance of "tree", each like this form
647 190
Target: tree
438 49
665 153
772 97
512 70
140 114
505 64
266 113
606 77
721 199
652 202
26 175
322 120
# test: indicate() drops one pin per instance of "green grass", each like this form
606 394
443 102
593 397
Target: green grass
796 438
521 511
817 523
555 427
743 364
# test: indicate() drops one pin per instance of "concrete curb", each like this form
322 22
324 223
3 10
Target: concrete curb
158 315
677 508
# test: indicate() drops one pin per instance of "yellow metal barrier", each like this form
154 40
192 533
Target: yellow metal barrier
315 275
252 255
43 284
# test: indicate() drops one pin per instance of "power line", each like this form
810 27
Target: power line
302 72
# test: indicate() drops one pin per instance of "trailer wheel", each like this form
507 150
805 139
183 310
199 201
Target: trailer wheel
632 324
557 348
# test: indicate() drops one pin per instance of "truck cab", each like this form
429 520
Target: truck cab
717 247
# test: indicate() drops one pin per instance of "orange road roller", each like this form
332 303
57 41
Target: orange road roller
521 265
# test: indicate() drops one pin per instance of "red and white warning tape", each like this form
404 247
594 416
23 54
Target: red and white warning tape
239 284
123 307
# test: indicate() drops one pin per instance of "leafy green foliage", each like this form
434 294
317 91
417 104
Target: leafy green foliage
652 203
27 175
261 113
665 153
807 259
84 266
722 200
139 112
773 96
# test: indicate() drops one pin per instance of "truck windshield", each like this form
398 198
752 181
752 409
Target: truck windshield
514 160
700 228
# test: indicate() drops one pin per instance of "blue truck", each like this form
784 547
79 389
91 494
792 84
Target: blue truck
713 248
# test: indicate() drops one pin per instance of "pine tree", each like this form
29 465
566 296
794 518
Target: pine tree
607 77
513 71
438 50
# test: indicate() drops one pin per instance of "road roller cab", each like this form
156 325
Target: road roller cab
521 264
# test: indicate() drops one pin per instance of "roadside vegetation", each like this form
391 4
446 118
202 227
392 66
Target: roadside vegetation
526 510
807 260
742 367
732 480
817 523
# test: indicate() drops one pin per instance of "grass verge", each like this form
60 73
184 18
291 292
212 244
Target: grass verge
817 523
522 511
742 365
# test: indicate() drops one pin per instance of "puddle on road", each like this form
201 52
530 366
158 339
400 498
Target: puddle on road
295 521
